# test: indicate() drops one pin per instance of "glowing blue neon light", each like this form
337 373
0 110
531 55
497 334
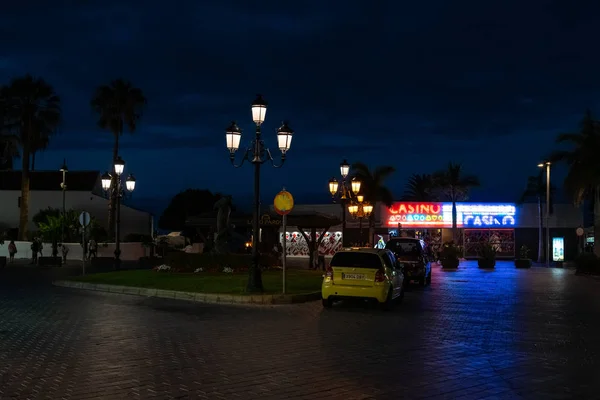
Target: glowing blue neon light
484 215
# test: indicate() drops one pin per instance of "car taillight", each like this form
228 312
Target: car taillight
329 273
380 275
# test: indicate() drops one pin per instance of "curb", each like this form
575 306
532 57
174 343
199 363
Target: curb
209 298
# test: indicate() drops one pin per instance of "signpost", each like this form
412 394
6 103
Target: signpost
84 221
579 231
283 204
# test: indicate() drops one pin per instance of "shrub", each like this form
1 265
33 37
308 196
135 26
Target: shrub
487 251
449 255
523 261
524 253
190 262
588 263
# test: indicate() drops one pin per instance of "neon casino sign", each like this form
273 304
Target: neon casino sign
433 214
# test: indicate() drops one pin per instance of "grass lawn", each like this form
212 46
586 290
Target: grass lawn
297 281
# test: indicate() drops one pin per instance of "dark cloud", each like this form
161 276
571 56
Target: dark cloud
354 78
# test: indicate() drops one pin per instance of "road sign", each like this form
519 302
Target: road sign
579 231
84 218
284 202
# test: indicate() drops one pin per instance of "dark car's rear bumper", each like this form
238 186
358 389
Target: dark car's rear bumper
414 274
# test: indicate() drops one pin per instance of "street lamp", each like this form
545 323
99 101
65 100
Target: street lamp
117 191
345 193
360 209
257 153
547 165
63 186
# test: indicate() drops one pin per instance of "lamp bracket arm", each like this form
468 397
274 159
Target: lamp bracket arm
244 159
270 158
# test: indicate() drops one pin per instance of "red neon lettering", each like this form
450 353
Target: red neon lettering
416 208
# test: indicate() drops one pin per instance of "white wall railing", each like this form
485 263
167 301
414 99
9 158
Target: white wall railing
129 251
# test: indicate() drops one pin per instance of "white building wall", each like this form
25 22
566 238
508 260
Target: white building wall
132 221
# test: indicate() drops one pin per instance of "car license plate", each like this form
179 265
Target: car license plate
353 276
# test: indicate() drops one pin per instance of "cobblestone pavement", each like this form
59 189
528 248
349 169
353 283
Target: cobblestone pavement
473 334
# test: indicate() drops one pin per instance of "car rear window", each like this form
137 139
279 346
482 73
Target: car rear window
356 260
404 247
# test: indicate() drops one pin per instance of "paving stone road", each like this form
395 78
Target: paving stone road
473 334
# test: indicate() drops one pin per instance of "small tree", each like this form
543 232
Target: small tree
51 231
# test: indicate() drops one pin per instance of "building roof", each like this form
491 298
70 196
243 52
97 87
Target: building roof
83 181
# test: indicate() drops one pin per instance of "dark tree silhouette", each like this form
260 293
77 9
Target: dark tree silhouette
118 105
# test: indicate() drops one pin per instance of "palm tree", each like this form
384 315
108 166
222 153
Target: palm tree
34 109
9 144
536 188
372 187
420 187
583 177
117 104
454 185
39 143
9 150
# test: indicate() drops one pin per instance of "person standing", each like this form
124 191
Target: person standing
12 250
65 252
40 247
92 248
35 249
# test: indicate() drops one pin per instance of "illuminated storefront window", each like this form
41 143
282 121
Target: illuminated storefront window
439 215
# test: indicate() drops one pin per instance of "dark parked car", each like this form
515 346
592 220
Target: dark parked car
416 257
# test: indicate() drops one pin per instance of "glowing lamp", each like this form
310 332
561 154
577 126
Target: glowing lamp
259 110
367 209
284 137
360 198
353 209
130 183
344 169
333 186
106 180
233 137
119 166
355 185
64 167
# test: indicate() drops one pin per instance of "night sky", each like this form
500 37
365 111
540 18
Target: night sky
409 84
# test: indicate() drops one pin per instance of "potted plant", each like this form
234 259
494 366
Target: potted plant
523 261
487 256
449 255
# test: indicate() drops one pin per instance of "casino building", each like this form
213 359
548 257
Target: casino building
508 226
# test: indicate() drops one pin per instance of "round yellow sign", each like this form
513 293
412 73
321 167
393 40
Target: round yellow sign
284 202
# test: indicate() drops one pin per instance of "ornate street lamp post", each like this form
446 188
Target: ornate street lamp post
118 191
360 209
63 186
344 192
258 154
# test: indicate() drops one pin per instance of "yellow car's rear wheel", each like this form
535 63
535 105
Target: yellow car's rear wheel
387 304
327 303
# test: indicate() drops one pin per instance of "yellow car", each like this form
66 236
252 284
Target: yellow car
363 273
